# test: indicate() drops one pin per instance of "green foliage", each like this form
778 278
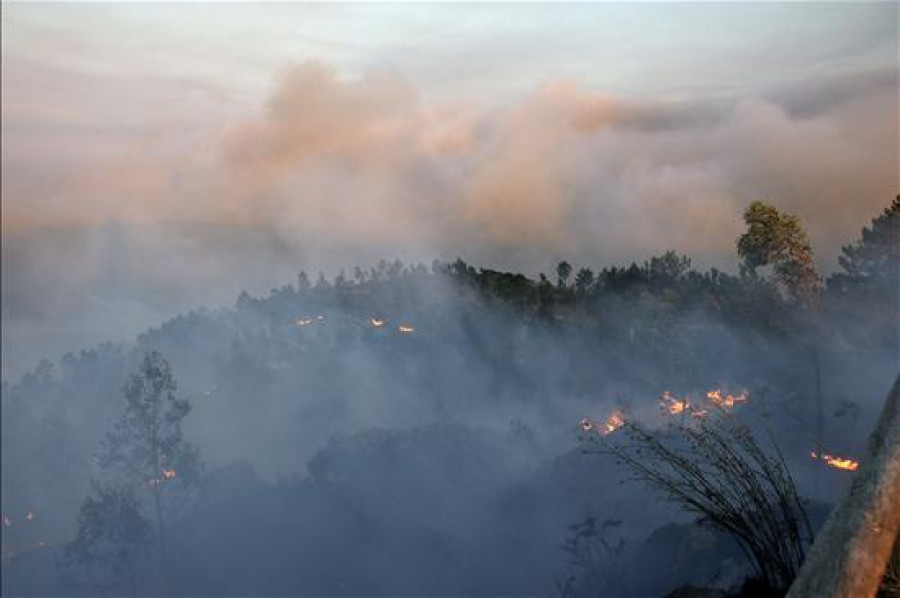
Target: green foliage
874 261
866 293
778 239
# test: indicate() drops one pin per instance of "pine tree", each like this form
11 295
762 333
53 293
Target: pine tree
778 239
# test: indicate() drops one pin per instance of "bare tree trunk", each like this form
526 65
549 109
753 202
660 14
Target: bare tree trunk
161 539
849 557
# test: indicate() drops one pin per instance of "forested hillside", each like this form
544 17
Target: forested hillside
405 428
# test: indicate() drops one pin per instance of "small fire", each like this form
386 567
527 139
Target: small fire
6 521
673 405
303 321
29 516
320 317
406 329
837 462
167 474
724 400
376 322
612 423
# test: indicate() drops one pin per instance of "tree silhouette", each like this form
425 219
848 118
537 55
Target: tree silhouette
146 447
303 283
866 293
715 468
563 271
112 537
584 279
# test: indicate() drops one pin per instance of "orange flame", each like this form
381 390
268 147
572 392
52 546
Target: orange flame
168 474
724 400
376 322
612 423
672 404
406 329
842 463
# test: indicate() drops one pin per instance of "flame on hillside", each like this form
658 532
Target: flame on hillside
166 474
842 463
376 322
727 401
406 329
612 423
674 405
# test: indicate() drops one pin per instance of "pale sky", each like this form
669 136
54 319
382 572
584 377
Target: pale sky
193 139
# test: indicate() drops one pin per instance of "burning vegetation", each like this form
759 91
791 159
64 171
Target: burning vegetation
842 463
687 405
612 423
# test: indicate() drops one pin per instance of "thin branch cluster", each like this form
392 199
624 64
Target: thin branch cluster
716 469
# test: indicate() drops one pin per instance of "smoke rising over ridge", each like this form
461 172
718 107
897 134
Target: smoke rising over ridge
330 164
148 168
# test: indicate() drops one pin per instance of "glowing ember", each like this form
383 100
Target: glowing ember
406 329
613 423
724 400
836 462
303 321
6 521
672 404
376 322
167 474
29 516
